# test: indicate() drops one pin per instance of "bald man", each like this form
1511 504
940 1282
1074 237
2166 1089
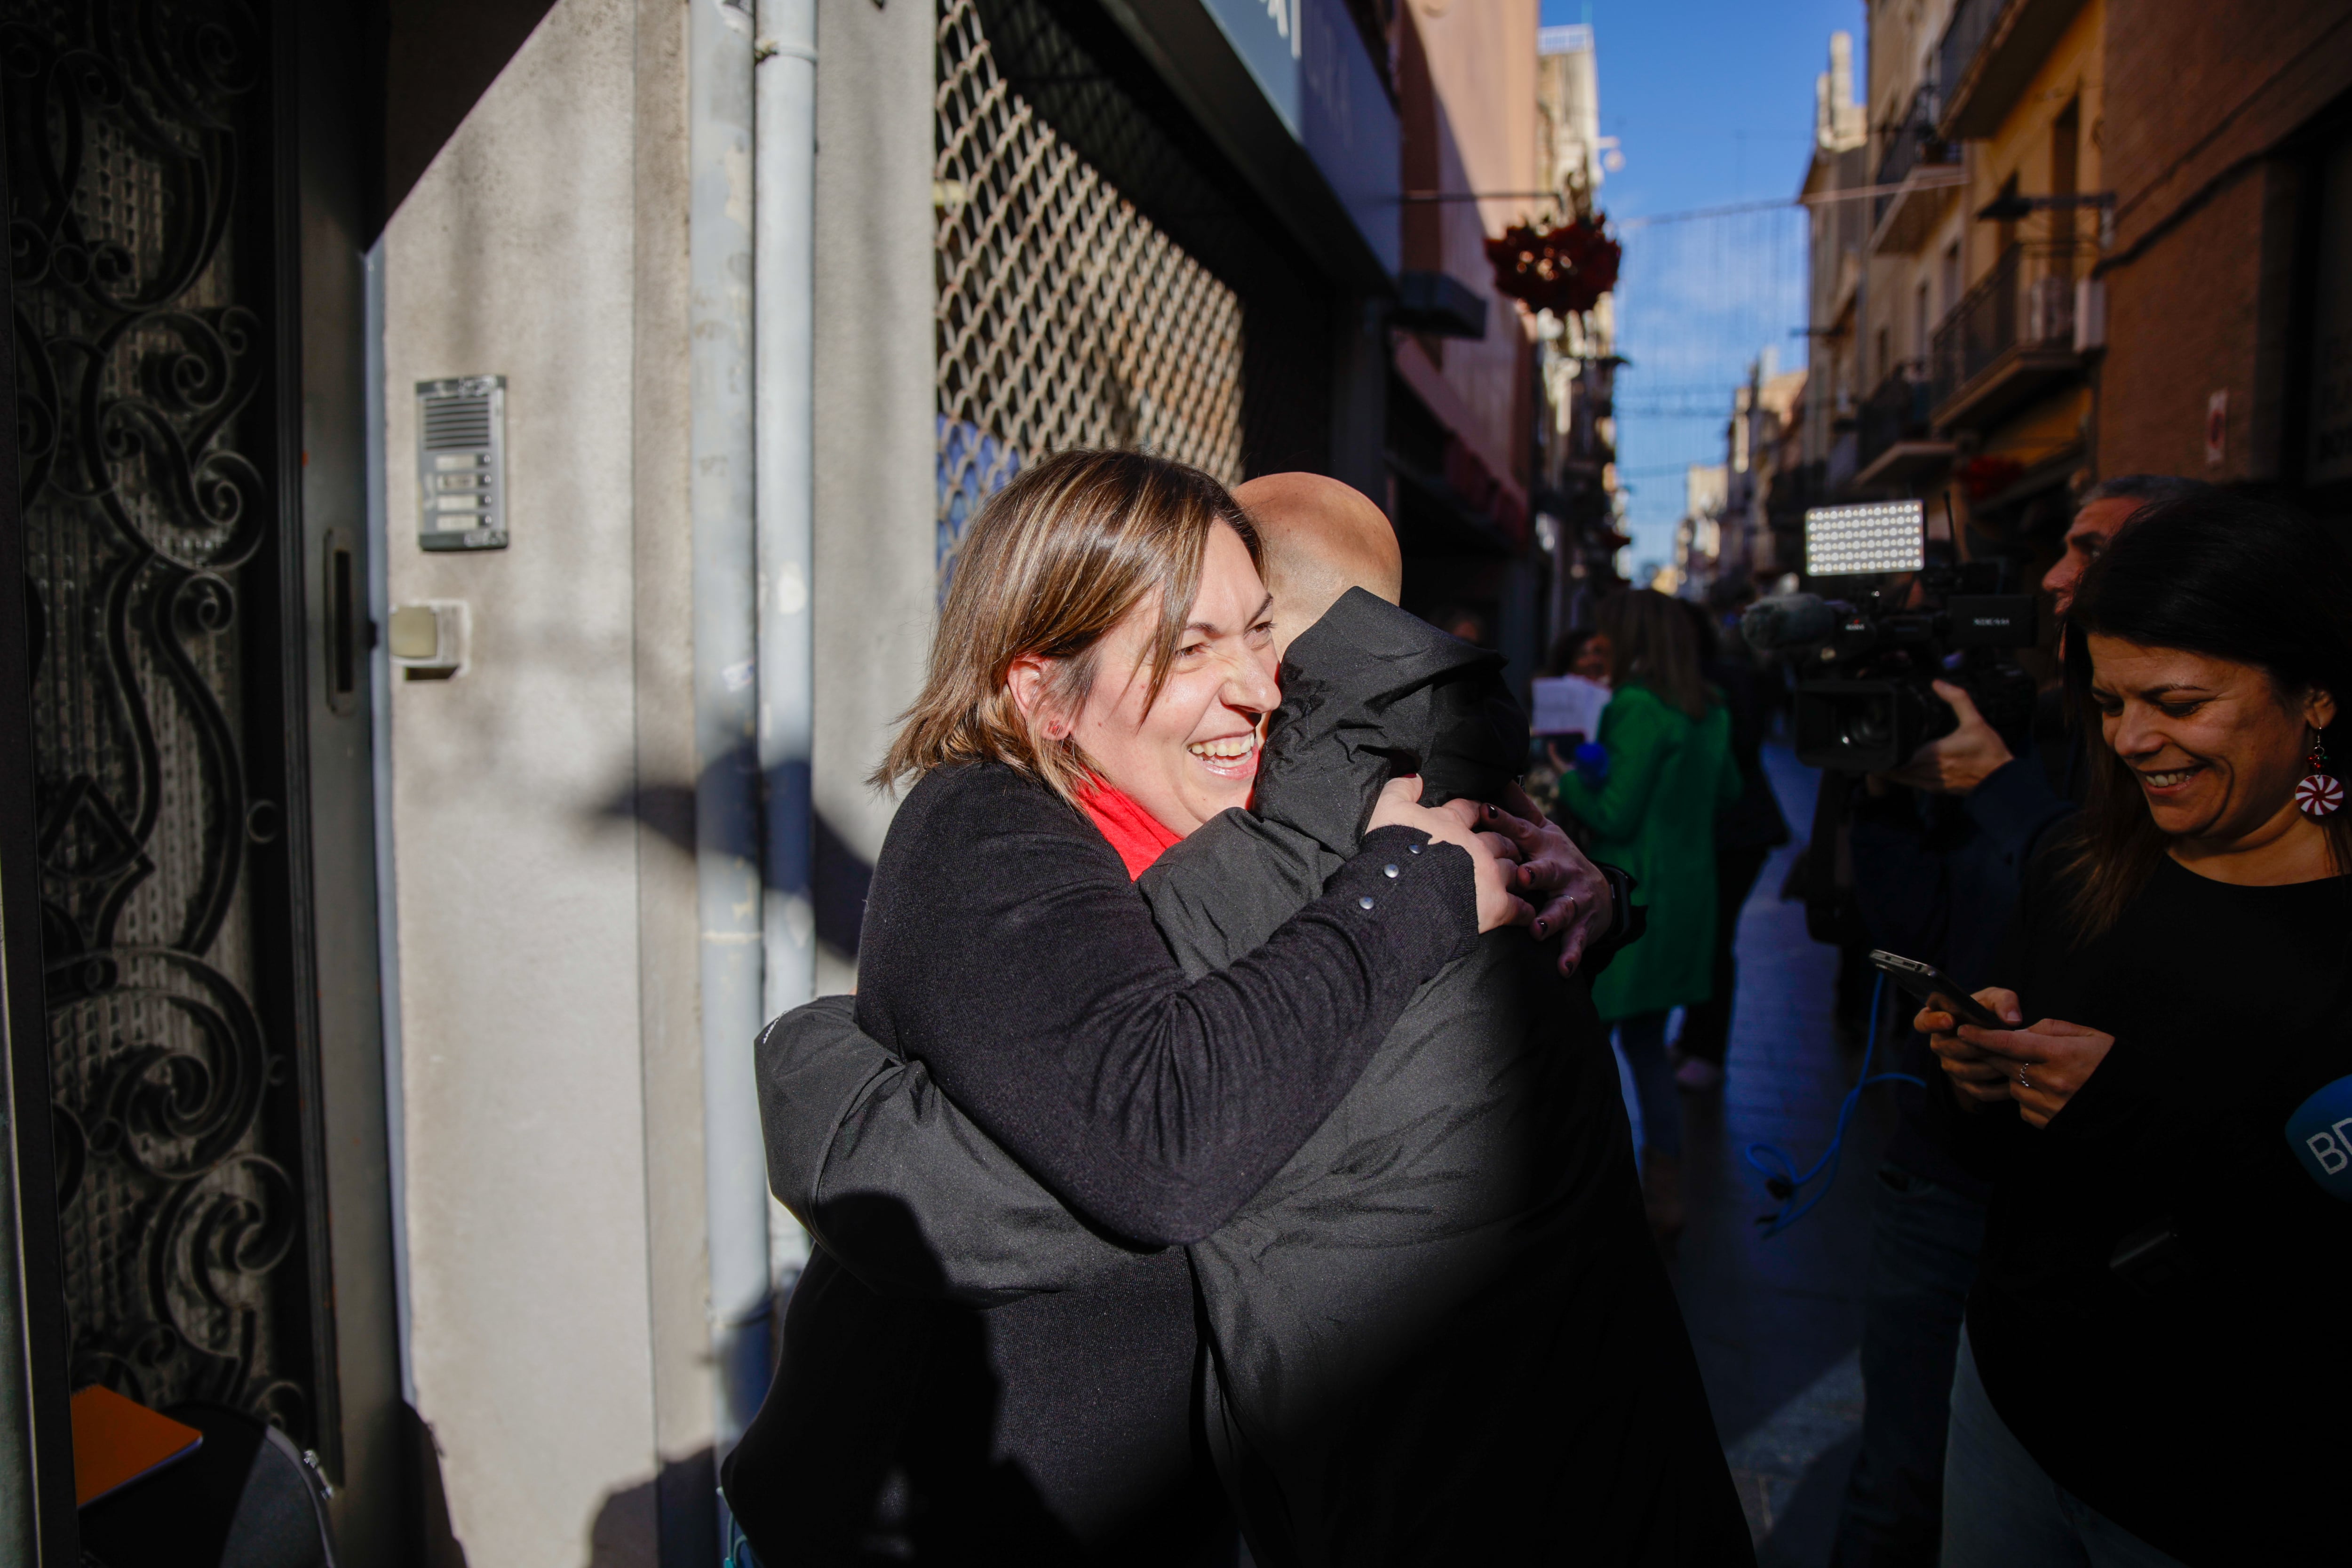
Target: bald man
1320 537
1440 1332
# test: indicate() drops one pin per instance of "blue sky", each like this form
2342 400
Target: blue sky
1712 101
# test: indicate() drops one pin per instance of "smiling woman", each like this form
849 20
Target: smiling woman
1188 750
2167 1246
2213 653
1095 691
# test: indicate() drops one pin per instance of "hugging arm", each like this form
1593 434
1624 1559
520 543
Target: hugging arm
1043 998
849 1126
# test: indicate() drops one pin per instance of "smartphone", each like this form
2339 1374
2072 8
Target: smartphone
1936 988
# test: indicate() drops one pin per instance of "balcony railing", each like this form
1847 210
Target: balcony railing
1897 411
1914 142
2026 302
1972 22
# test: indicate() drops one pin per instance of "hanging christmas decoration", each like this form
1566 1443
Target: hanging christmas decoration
1988 474
1564 270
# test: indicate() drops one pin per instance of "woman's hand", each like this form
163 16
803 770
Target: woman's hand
1491 854
1979 1078
2046 1065
1574 898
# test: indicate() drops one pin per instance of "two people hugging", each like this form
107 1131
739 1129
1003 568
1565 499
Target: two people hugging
1222 1133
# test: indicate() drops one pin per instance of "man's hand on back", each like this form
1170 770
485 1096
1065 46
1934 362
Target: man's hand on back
1962 760
1571 897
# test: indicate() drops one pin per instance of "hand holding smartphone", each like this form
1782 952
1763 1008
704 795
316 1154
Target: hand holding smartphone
1934 988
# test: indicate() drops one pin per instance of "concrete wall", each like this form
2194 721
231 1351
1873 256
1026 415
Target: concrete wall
545 923
678 1290
875 444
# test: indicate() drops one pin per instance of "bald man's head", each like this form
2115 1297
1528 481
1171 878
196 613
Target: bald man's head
1321 539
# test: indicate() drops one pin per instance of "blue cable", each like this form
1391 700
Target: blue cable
1784 1182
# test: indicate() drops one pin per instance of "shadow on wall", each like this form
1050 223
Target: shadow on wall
439 57
838 874
435 1541
671 1520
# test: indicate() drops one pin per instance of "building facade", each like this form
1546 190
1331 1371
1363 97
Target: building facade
1913 244
2105 239
1461 413
2013 358
1579 524
1838 234
2227 273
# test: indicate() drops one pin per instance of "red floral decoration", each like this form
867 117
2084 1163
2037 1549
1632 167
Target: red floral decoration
1564 270
1988 475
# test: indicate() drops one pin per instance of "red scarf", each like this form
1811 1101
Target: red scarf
1134 832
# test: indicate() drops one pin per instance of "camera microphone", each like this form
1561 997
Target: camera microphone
1791 620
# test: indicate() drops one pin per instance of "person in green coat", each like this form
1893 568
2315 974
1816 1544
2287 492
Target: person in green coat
1670 770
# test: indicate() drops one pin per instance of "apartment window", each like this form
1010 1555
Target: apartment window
1951 275
1919 321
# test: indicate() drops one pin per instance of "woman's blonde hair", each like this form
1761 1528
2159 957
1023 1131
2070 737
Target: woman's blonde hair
1054 562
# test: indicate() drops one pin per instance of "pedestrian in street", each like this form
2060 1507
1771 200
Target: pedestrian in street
1746 834
2158 1311
1583 652
1667 740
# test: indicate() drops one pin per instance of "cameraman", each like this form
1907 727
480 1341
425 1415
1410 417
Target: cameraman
1972 754
1938 848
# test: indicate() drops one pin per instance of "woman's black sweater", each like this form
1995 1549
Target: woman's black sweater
2196 1395
1006 948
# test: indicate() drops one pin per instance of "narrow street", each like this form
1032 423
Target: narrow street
1776 1322
511 498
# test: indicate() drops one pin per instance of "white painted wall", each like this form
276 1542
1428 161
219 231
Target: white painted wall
875 406
541 809
519 923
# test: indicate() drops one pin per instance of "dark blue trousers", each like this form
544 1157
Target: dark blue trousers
1925 1238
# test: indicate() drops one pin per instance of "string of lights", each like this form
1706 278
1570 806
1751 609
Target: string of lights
1701 297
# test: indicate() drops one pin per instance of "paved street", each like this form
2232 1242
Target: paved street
1776 1323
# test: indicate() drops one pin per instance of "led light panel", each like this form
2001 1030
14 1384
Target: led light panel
1851 540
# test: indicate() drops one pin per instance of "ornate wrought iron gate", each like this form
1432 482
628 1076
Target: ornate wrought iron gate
151 429
1066 318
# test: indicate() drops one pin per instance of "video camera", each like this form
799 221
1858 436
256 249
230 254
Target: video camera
1863 662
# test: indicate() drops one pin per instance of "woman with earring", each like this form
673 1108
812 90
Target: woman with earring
2158 1319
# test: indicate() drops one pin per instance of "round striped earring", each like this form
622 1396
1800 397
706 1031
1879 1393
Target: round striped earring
2319 794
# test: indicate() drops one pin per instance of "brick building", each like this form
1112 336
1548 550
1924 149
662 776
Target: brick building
2228 149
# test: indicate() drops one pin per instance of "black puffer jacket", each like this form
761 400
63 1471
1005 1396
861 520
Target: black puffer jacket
1440 1332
